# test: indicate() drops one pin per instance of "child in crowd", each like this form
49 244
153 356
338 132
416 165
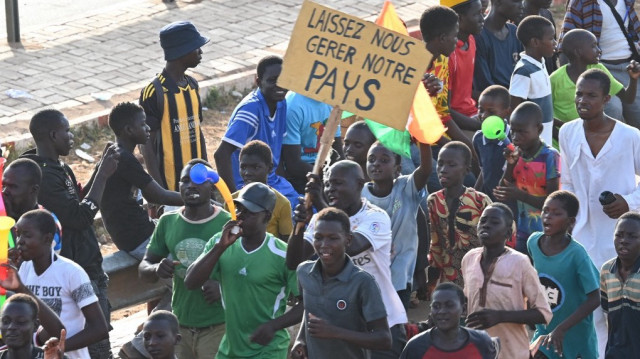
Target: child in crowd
19 317
357 142
497 47
533 171
439 28
160 333
178 240
358 320
530 80
400 197
620 289
541 7
570 281
59 282
581 49
454 212
502 286
261 115
255 166
462 59
447 339
124 218
255 282
370 246
493 101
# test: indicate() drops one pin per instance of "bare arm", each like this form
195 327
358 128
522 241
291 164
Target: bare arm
222 156
359 244
515 101
421 174
150 156
337 146
152 267
154 193
488 318
464 122
264 334
556 337
94 330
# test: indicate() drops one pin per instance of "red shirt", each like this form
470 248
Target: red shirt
461 63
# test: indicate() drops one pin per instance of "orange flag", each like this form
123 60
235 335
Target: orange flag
424 123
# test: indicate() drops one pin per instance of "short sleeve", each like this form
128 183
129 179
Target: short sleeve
285 224
477 141
520 84
375 227
371 299
604 298
158 244
82 291
149 103
295 118
553 164
587 273
132 171
242 127
532 290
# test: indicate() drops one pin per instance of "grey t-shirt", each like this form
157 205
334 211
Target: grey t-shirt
349 300
402 207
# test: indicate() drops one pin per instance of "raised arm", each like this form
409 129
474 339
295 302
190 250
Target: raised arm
422 173
154 193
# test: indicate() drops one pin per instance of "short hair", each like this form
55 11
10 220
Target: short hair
507 214
460 147
499 93
574 39
44 122
259 149
166 316
267 61
335 215
462 9
569 201
532 27
396 156
631 215
122 115
437 20
43 220
32 170
26 299
361 125
597 75
453 287
528 111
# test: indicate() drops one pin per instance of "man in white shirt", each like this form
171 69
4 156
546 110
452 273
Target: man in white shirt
370 246
599 153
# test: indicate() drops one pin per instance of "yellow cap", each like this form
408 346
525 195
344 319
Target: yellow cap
452 3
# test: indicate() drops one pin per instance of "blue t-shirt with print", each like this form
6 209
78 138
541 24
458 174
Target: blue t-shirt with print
566 278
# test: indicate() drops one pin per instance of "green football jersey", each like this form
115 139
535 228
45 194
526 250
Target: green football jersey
255 286
185 240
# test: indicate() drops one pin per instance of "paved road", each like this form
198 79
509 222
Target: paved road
36 14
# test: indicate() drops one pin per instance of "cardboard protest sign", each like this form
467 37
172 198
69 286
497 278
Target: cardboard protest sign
357 65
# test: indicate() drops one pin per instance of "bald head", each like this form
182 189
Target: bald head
574 40
351 168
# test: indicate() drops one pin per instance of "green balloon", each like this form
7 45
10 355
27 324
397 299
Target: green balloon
493 128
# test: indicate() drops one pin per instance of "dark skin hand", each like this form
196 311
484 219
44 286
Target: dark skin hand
54 347
556 337
617 208
211 291
488 318
432 83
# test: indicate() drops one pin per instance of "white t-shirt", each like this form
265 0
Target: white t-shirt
375 225
612 42
66 289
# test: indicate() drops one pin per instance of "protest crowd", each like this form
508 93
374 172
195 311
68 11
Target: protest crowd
520 224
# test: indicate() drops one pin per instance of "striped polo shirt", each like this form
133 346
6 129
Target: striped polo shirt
621 302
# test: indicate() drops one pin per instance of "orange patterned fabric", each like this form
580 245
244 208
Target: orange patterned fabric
443 254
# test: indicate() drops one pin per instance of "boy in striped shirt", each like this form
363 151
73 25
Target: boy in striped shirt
620 290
